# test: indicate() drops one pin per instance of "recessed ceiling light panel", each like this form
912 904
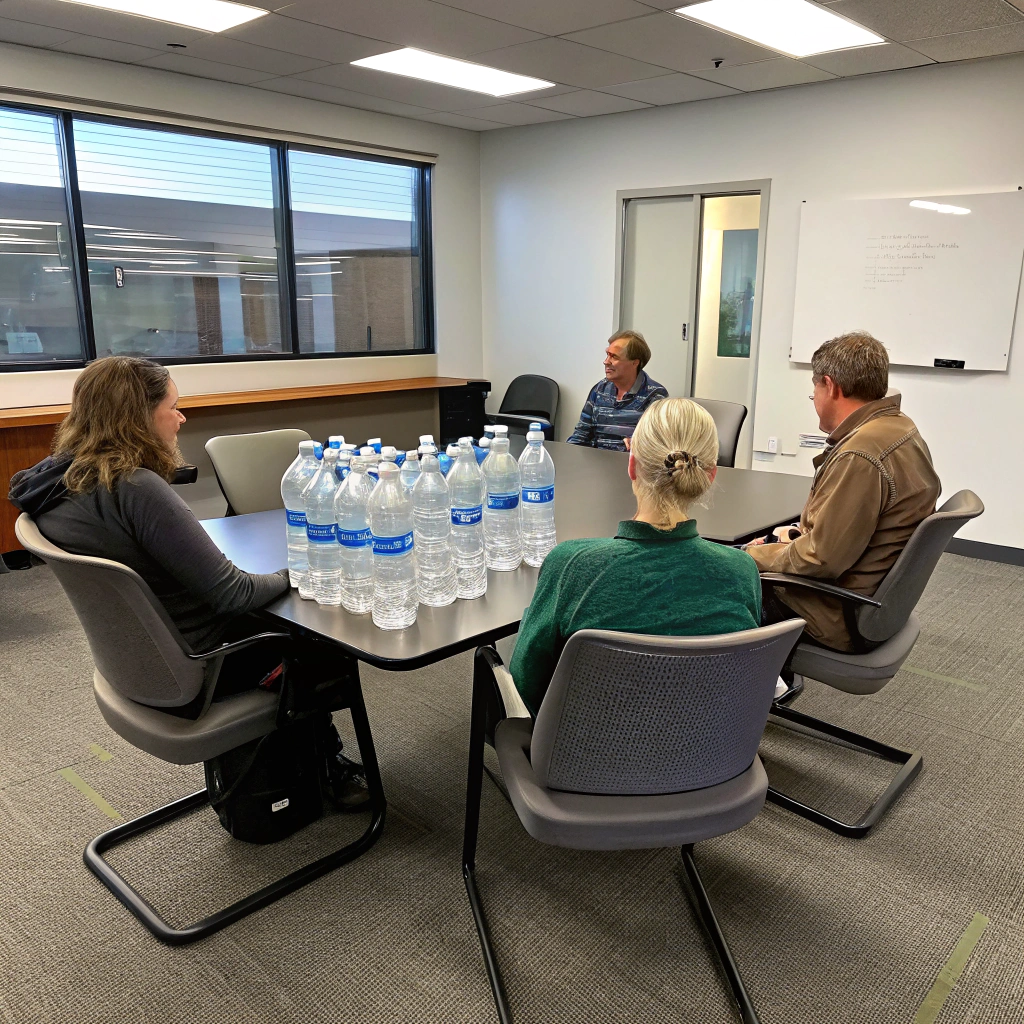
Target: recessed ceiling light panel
208 15
796 27
460 74
926 204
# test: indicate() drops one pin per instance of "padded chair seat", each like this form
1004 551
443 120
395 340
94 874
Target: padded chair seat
857 673
582 821
226 725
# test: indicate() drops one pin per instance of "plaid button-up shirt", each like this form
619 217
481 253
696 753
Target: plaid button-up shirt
606 422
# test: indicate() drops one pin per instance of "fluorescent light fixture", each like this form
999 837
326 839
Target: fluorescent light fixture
45 223
461 74
796 27
208 15
924 204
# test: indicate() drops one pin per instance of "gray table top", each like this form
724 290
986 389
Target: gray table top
593 495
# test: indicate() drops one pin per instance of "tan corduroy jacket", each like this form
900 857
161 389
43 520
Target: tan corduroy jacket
873 484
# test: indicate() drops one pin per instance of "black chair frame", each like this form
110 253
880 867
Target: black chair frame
910 761
296 701
488 710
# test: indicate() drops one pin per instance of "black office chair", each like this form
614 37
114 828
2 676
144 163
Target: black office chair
884 629
143 665
640 742
728 417
529 398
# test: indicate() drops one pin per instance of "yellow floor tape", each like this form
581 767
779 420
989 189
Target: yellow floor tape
967 683
103 755
88 792
950 974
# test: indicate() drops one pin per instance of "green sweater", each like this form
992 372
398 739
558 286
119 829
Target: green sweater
644 580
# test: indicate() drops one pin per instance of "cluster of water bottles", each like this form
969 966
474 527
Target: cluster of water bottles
382 531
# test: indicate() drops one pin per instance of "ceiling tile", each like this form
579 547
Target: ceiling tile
587 104
561 60
32 35
516 113
108 49
422 23
226 50
185 65
865 60
399 88
965 45
474 124
767 74
673 43
554 17
91 21
917 19
671 89
308 40
342 97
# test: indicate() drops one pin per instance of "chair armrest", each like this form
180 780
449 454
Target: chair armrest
515 419
821 586
510 702
238 645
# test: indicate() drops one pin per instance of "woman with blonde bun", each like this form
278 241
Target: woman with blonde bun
656 576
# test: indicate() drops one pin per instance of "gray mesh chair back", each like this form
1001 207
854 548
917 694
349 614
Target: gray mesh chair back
249 467
728 417
628 715
134 644
531 395
902 588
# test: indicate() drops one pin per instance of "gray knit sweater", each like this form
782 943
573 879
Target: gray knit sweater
146 526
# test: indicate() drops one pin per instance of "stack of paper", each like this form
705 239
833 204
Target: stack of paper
812 440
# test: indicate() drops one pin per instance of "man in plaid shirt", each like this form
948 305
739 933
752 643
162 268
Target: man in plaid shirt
614 406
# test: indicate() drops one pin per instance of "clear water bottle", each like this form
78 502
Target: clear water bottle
482 448
503 538
318 450
467 491
389 453
372 461
324 551
537 474
427 439
431 516
344 463
374 443
394 561
335 440
293 483
410 470
500 431
489 431
351 512
452 453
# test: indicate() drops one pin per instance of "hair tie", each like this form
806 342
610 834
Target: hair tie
681 460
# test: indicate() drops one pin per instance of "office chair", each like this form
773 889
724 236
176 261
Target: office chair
142 664
640 742
249 467
728 417
884 629
529 398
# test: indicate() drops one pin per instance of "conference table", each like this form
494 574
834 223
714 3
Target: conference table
592 494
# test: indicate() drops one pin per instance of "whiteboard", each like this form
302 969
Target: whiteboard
930 285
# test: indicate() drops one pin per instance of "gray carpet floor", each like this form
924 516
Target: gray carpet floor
825 929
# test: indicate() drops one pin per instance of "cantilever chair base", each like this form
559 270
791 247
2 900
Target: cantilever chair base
142 909
910 763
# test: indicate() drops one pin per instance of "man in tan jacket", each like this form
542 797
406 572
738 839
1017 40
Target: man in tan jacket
873 484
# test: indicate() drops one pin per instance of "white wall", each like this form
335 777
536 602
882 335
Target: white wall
456 212
548 236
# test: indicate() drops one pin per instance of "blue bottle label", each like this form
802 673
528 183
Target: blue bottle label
503 502
467 516
320 533
538 495
353 538
296 518
392 545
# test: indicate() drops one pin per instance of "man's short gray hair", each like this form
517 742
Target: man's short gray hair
857 362
636 346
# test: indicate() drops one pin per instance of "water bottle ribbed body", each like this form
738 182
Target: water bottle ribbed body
467 492
351 511
293 483
537 475
503 539
394 566
324 552
431 513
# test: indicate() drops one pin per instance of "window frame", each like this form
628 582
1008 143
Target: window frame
283 230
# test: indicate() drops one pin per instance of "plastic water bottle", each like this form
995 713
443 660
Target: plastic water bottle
293 483
467 491
324 552
410 470
503 538
452 453
489 431
318 450
394 560
427 439
373 458
374 443
537 473
336 440
482 448
344 463
500 430
351 512
400 459
389 453
431 516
